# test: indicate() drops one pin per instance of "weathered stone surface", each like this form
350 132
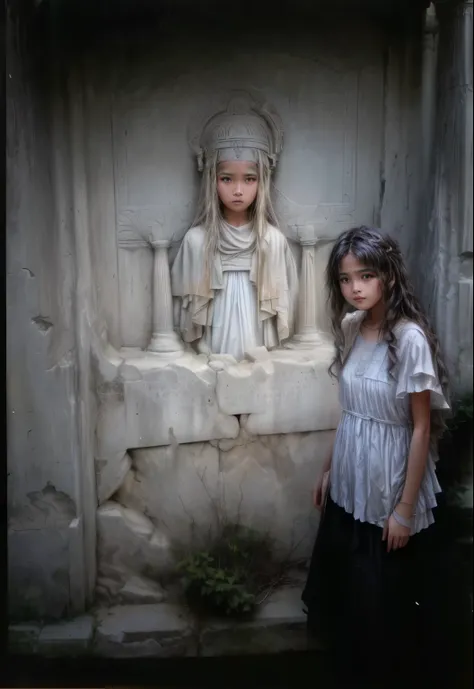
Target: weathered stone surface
139 590
45 508
219 362
288 392
23 638
110 475
266 484
128 545
177 486
280 625
39 573
143 631
263 482
167 402
257 354
73 637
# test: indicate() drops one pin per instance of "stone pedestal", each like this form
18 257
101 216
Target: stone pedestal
164 340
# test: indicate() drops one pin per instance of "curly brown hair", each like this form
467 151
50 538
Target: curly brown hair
383 254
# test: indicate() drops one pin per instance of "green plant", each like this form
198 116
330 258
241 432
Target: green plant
227 578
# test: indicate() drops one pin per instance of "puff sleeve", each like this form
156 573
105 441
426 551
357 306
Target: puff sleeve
415 370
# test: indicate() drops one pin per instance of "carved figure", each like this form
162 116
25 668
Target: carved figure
234 277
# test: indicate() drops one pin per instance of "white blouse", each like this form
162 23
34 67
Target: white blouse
373 438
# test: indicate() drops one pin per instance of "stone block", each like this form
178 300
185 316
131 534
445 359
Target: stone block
177 486
69 638
162 630
39 574
139 590
288 392
266 484
110 474
128 545
23 638
279 625
174 401
261 482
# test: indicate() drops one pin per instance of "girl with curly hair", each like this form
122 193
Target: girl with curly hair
378 486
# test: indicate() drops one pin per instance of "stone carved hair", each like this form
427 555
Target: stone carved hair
209 212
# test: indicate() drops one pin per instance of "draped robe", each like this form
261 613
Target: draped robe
247 296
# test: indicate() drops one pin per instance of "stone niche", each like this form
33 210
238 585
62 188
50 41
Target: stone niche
178 437
183 437
123 443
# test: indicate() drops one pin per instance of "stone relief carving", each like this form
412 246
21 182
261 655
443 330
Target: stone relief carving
234 277
327 194
175 412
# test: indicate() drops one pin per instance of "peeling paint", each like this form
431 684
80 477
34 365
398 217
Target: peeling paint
45 508
43 323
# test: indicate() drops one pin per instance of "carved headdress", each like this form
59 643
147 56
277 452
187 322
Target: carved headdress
238 132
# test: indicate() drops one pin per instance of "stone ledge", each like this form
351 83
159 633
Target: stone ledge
23 638
140 631
279 626
70 638
166 630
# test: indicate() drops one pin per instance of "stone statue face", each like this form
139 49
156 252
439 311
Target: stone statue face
237 185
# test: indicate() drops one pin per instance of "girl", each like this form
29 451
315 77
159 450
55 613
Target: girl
235 276
378 485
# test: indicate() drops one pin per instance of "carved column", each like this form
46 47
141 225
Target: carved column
311 322
307 319
164 339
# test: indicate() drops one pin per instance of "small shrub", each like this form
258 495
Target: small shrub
227 578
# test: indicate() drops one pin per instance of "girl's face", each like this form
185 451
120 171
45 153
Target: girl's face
237 184
360 285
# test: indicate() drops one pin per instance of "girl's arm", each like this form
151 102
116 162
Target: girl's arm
327 462
418 455
395 533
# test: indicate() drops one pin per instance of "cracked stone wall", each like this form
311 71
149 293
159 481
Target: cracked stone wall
176 457
46 552
98 159
173 499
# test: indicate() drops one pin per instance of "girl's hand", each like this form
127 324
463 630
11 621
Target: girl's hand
396 535
320 490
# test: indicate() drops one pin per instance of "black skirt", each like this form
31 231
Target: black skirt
385 612
359 597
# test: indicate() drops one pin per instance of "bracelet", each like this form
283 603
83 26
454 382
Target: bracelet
401 520
408 504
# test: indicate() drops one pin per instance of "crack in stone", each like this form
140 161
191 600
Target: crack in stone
30 273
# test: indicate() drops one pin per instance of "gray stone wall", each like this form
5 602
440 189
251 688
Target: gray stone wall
445 242
95 137
45 535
